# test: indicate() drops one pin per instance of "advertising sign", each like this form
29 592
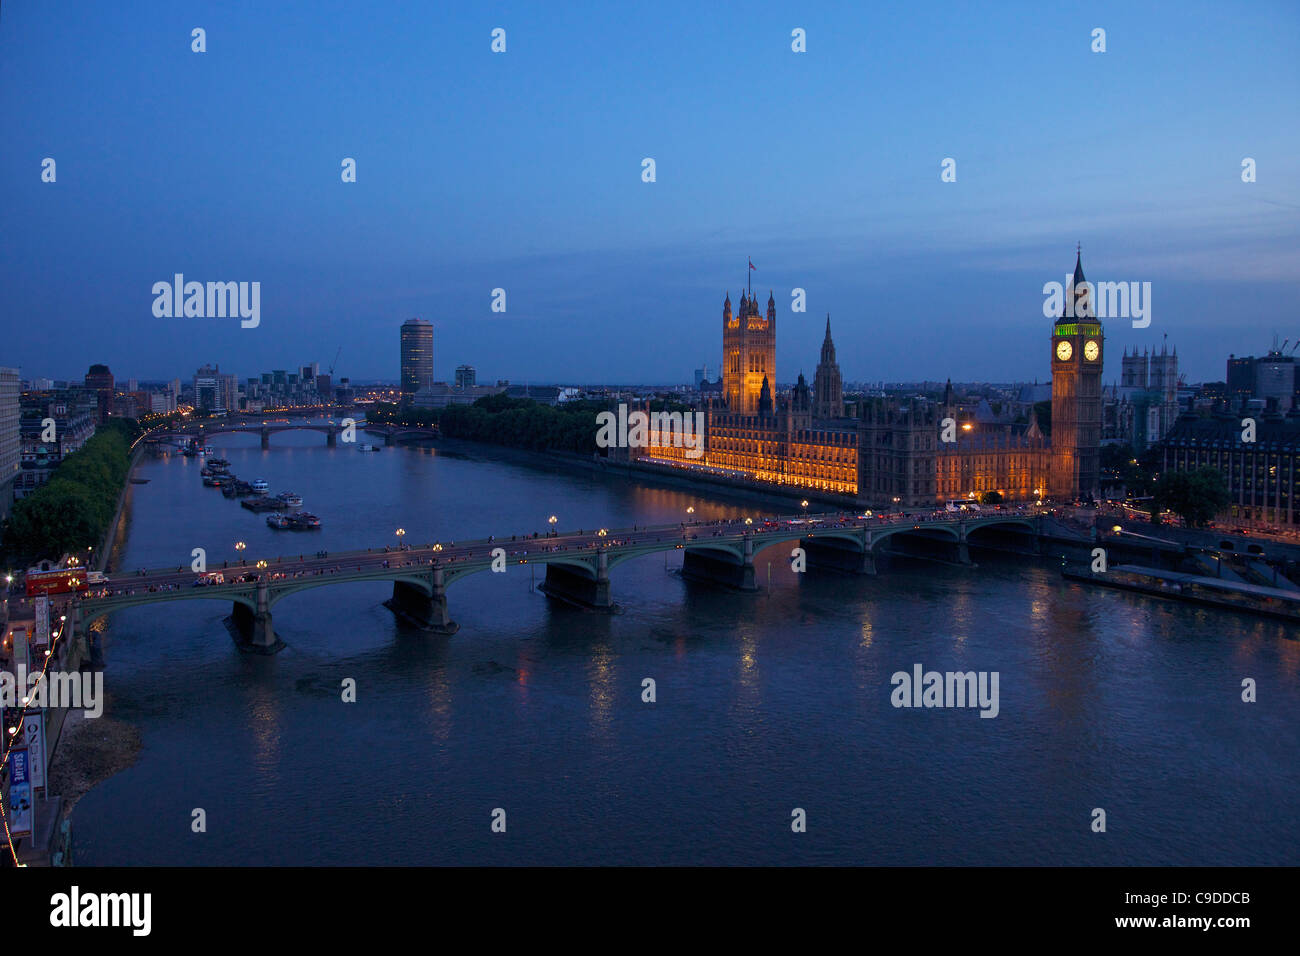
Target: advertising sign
41 639
20 794
34 741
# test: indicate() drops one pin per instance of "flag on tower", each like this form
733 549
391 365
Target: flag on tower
751 263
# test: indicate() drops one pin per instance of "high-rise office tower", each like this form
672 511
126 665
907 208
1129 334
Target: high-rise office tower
10 452
101 380
417 357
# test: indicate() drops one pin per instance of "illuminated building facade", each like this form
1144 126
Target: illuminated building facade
748 353
891 454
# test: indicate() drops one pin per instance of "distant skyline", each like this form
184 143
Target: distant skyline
522 171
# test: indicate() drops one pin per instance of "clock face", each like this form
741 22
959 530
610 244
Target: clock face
1091 350
1064 350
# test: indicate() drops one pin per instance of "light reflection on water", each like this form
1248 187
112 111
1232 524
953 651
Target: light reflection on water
765 701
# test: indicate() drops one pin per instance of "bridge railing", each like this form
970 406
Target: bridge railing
590 538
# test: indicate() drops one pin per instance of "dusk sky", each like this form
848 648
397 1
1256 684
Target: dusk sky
522 170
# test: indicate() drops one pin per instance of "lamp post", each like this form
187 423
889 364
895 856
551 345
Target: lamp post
551 521
401 533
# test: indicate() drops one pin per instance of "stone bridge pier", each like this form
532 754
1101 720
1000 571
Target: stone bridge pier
720 567
590 590
332 438
266 438
425 609
840 554
252 629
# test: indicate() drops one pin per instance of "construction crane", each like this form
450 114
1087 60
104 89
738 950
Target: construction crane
336 361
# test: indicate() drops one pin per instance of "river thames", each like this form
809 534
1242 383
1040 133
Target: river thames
765 702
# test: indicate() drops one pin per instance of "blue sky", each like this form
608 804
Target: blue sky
522 171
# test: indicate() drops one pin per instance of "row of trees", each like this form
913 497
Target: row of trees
72 511
524 423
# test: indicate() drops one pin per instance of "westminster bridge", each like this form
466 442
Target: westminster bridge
578 564
202 430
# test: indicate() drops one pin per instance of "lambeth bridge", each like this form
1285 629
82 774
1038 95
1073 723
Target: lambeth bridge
201 430
577 564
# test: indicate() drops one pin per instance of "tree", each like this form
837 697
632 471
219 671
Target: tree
1195 496
991 498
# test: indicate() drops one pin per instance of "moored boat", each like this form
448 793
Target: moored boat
259 486
263 504
277 521
290 499
303 521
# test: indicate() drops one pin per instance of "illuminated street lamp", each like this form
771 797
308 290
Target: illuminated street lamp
261 565
437 547
691 510
602 532
749 521
240 546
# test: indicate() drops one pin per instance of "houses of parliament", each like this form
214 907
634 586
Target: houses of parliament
884 452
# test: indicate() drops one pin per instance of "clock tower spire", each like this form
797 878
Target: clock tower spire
1077 343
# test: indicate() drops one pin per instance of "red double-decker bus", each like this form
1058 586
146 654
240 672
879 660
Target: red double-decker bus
49 578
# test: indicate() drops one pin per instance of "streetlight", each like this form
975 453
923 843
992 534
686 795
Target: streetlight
691 510
400 532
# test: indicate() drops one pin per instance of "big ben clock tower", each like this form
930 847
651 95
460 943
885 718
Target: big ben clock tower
1077 343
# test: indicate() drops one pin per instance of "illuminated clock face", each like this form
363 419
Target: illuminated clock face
1064 350
1091 350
